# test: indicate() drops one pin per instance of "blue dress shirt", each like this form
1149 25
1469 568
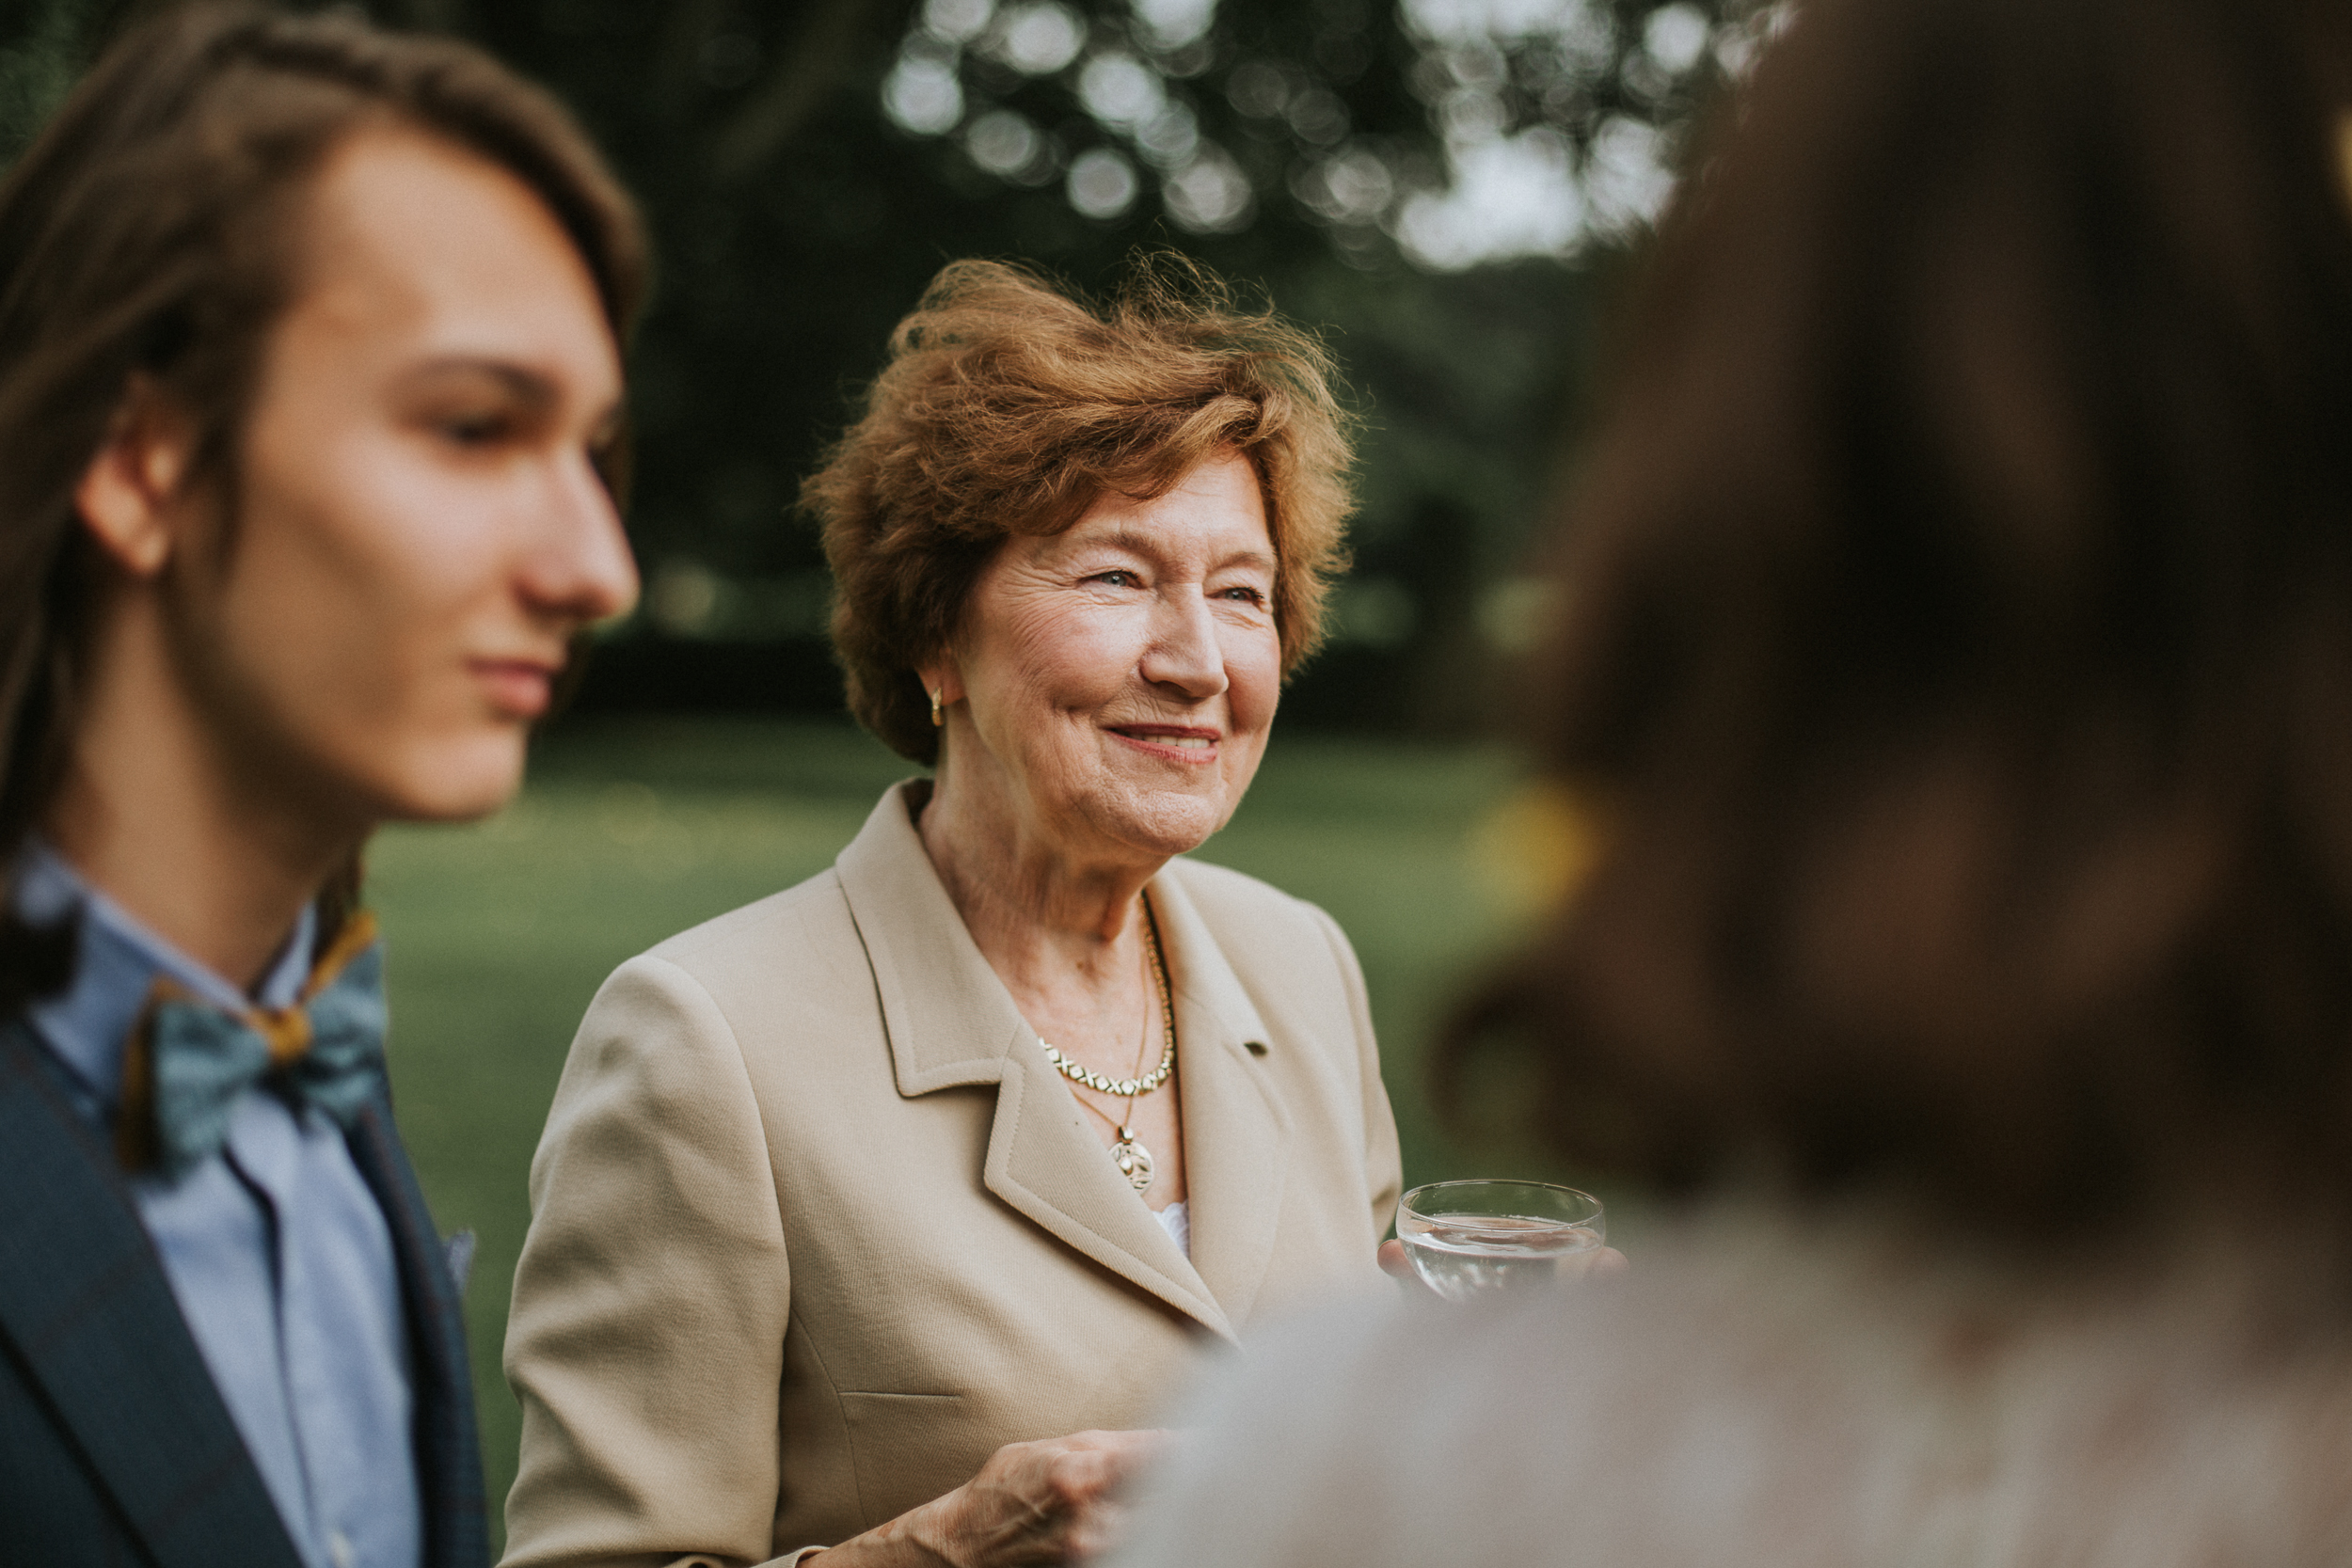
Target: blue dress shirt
278 1253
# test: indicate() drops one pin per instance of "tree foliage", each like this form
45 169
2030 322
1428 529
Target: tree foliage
1442 185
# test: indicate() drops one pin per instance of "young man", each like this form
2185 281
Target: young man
307 377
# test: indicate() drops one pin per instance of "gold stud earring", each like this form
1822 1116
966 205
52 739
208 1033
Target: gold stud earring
937 719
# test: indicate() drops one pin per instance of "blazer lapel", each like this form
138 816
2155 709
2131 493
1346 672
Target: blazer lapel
1236 1137
1044 1159
448 1452
951 1022
84 1304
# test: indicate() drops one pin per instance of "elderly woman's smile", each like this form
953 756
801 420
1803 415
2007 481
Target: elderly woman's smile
1116 680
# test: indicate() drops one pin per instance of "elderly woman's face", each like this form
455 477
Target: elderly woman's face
1122 675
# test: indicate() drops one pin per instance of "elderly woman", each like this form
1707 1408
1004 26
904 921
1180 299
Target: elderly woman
856 1204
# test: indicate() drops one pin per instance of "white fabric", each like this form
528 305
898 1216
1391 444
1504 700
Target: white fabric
1178 1225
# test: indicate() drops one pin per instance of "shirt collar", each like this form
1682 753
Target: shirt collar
117 960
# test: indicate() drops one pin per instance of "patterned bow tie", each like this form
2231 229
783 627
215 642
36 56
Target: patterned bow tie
189 1059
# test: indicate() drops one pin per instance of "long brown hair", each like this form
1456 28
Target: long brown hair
1958 647
147 231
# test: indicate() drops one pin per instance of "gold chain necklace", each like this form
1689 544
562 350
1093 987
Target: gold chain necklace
1129 1154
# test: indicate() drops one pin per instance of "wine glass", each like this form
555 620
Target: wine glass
1469 1238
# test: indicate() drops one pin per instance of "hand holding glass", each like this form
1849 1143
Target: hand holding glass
1471 1238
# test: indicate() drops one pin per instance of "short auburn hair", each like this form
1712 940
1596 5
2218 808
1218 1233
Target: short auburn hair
1007 406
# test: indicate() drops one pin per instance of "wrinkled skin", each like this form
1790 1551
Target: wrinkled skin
1048 1502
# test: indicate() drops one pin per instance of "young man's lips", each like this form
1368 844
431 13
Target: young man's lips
519 687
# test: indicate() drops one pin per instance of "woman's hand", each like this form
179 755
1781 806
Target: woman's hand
1593 1265
1045 1503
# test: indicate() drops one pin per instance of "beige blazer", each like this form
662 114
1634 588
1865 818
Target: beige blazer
816 1226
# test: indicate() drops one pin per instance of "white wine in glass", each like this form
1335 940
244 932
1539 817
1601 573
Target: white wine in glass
1471 1238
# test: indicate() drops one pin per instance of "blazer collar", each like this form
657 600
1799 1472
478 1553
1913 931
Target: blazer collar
1237 1134
84 1304
116 960
951 1021
448 1450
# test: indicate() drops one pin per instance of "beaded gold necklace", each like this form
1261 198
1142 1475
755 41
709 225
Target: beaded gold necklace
1129 1154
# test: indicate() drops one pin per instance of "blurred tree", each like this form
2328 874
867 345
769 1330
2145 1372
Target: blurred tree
1441 184
43 45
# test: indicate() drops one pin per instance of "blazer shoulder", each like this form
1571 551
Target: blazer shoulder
1272 939
798 951
755 927
1236 903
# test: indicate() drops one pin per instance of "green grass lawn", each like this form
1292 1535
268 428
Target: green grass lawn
500 932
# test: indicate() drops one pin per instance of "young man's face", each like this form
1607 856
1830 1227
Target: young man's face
418 524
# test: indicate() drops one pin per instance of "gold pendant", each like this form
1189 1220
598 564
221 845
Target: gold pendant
1132 1160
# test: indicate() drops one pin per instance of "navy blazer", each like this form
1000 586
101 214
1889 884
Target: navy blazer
115 1446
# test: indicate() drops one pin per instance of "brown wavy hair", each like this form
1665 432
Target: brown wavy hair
1958 649
151 230
1007 406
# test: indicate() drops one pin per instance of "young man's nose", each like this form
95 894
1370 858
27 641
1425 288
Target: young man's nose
580 563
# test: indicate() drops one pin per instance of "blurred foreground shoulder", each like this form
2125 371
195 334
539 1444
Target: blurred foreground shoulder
1781 1400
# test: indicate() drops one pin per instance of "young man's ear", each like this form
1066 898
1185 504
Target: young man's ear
130 497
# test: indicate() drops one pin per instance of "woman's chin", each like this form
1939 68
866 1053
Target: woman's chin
1165 823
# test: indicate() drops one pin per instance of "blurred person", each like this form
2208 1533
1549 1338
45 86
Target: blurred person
1955 675
830 1245
308 363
